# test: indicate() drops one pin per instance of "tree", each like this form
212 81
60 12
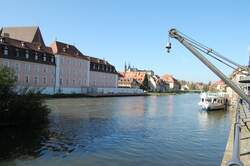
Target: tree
145 83
7 82
19 109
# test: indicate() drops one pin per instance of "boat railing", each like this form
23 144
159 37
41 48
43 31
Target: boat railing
242 113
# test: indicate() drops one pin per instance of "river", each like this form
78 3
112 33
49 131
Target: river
125 131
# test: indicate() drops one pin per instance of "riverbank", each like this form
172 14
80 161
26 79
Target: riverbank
171 93
117 94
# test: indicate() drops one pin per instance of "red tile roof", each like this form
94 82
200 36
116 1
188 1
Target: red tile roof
168 78
26 45
67 50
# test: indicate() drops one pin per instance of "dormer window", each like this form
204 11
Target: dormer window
5 51
44 57
27 54
17 52
36 56
39 47
23 44
2 40
64 49
67 46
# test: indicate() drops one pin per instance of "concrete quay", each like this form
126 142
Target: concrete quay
244 139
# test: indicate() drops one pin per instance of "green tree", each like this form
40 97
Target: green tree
19 109
7 83
145 83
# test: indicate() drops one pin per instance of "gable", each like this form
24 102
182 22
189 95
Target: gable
27 34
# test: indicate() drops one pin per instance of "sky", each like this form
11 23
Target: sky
136 31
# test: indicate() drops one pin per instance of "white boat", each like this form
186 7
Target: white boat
213 101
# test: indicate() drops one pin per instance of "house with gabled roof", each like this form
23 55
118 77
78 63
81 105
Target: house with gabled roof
23 49
72 68
173 83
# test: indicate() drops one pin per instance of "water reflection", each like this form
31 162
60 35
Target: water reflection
208 119
163 130
16 142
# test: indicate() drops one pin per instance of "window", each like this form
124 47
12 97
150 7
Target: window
27 54
61 81
37 68
35 80
17 77
6 63
45 69
52 60
27 67
17 52
44 57
17 67
5 51
36 56
44 80
27 79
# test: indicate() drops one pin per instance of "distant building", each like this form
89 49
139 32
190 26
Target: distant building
128 83
133 69
23 49
218 86
72 68
173 83
236 76
137 76
61 68
160 84
102 74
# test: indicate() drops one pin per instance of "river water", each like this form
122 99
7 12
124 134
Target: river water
125 131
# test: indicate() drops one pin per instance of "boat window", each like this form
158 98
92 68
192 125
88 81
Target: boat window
202 100
214 100
209 100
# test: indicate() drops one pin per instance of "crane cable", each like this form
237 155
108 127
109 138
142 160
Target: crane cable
211 53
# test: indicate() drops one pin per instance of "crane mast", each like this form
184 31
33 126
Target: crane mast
194 49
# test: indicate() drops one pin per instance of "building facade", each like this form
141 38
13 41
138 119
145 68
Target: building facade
102 74
33 62
61 68
173 83
72 69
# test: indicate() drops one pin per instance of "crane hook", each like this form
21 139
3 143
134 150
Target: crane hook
168 46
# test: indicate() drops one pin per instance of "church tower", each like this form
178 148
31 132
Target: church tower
125 67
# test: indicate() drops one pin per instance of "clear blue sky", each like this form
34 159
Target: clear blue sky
135 31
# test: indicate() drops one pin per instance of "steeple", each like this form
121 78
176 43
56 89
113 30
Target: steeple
129 67
125 67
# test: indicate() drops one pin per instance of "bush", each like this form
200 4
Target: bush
25 109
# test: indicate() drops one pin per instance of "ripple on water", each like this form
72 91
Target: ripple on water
164 130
